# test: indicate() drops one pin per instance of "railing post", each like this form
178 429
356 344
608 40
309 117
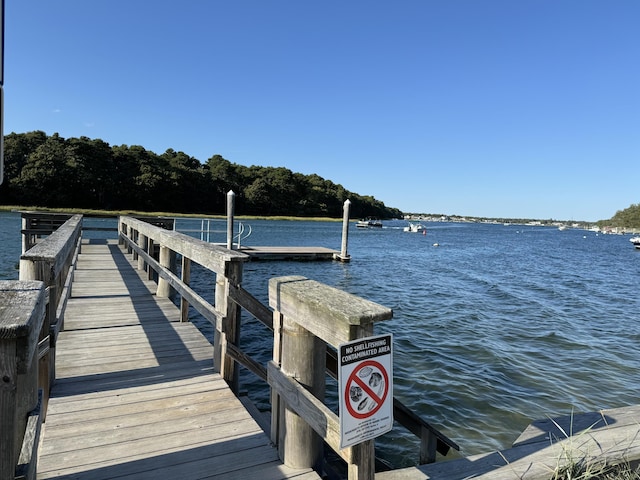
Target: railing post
303 358
167 260
143 244
26 236
130 236
231 199
428 446
135 239
150 252
229 331
21 320
186 279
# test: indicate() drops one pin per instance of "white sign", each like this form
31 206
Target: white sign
365 378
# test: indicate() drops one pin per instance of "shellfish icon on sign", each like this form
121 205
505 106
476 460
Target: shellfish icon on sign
367 389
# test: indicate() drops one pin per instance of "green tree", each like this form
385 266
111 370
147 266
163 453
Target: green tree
123 177
43 179
17 148
91 168
186 182
627 218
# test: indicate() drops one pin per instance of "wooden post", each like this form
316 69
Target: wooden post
25 236
276 412
21 320
428 446
142 243
130 236
150 248
231 200
167 260
230 328
186 279
135 239
303 358
344 255
120 230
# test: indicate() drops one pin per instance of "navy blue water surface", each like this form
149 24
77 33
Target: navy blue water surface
493 328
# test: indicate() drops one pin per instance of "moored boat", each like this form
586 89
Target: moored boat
369 223
415 228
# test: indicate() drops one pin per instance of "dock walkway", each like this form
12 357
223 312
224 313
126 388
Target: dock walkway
136 395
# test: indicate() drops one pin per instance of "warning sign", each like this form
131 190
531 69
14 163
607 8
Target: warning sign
366 389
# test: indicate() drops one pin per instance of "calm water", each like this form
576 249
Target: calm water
496 327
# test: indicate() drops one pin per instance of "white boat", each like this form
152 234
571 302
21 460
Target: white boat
369 223
635 241
415 228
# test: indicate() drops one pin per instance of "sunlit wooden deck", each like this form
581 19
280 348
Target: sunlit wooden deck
136 395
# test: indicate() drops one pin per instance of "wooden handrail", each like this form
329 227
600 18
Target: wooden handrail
52 261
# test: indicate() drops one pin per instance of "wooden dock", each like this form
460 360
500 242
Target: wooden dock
136 395
290 253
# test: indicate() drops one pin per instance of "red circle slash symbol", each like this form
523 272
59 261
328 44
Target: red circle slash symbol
366 389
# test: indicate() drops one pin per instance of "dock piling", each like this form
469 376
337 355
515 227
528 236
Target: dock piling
344 256
231 200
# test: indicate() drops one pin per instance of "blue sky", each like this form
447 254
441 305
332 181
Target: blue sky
512 108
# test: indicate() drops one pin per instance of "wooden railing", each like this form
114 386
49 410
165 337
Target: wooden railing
37 225
52 261
31 315
158 250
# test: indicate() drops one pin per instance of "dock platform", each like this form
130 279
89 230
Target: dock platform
289 253
136 395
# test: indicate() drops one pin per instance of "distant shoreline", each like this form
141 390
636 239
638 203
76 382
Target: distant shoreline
409 217
116 213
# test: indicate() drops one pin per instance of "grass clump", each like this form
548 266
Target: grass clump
583 469
577 464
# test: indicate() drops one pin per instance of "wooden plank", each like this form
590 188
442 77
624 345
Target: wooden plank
166 456
551 429
75 385
251 305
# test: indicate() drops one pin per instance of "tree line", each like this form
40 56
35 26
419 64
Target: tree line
84 173
627 218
